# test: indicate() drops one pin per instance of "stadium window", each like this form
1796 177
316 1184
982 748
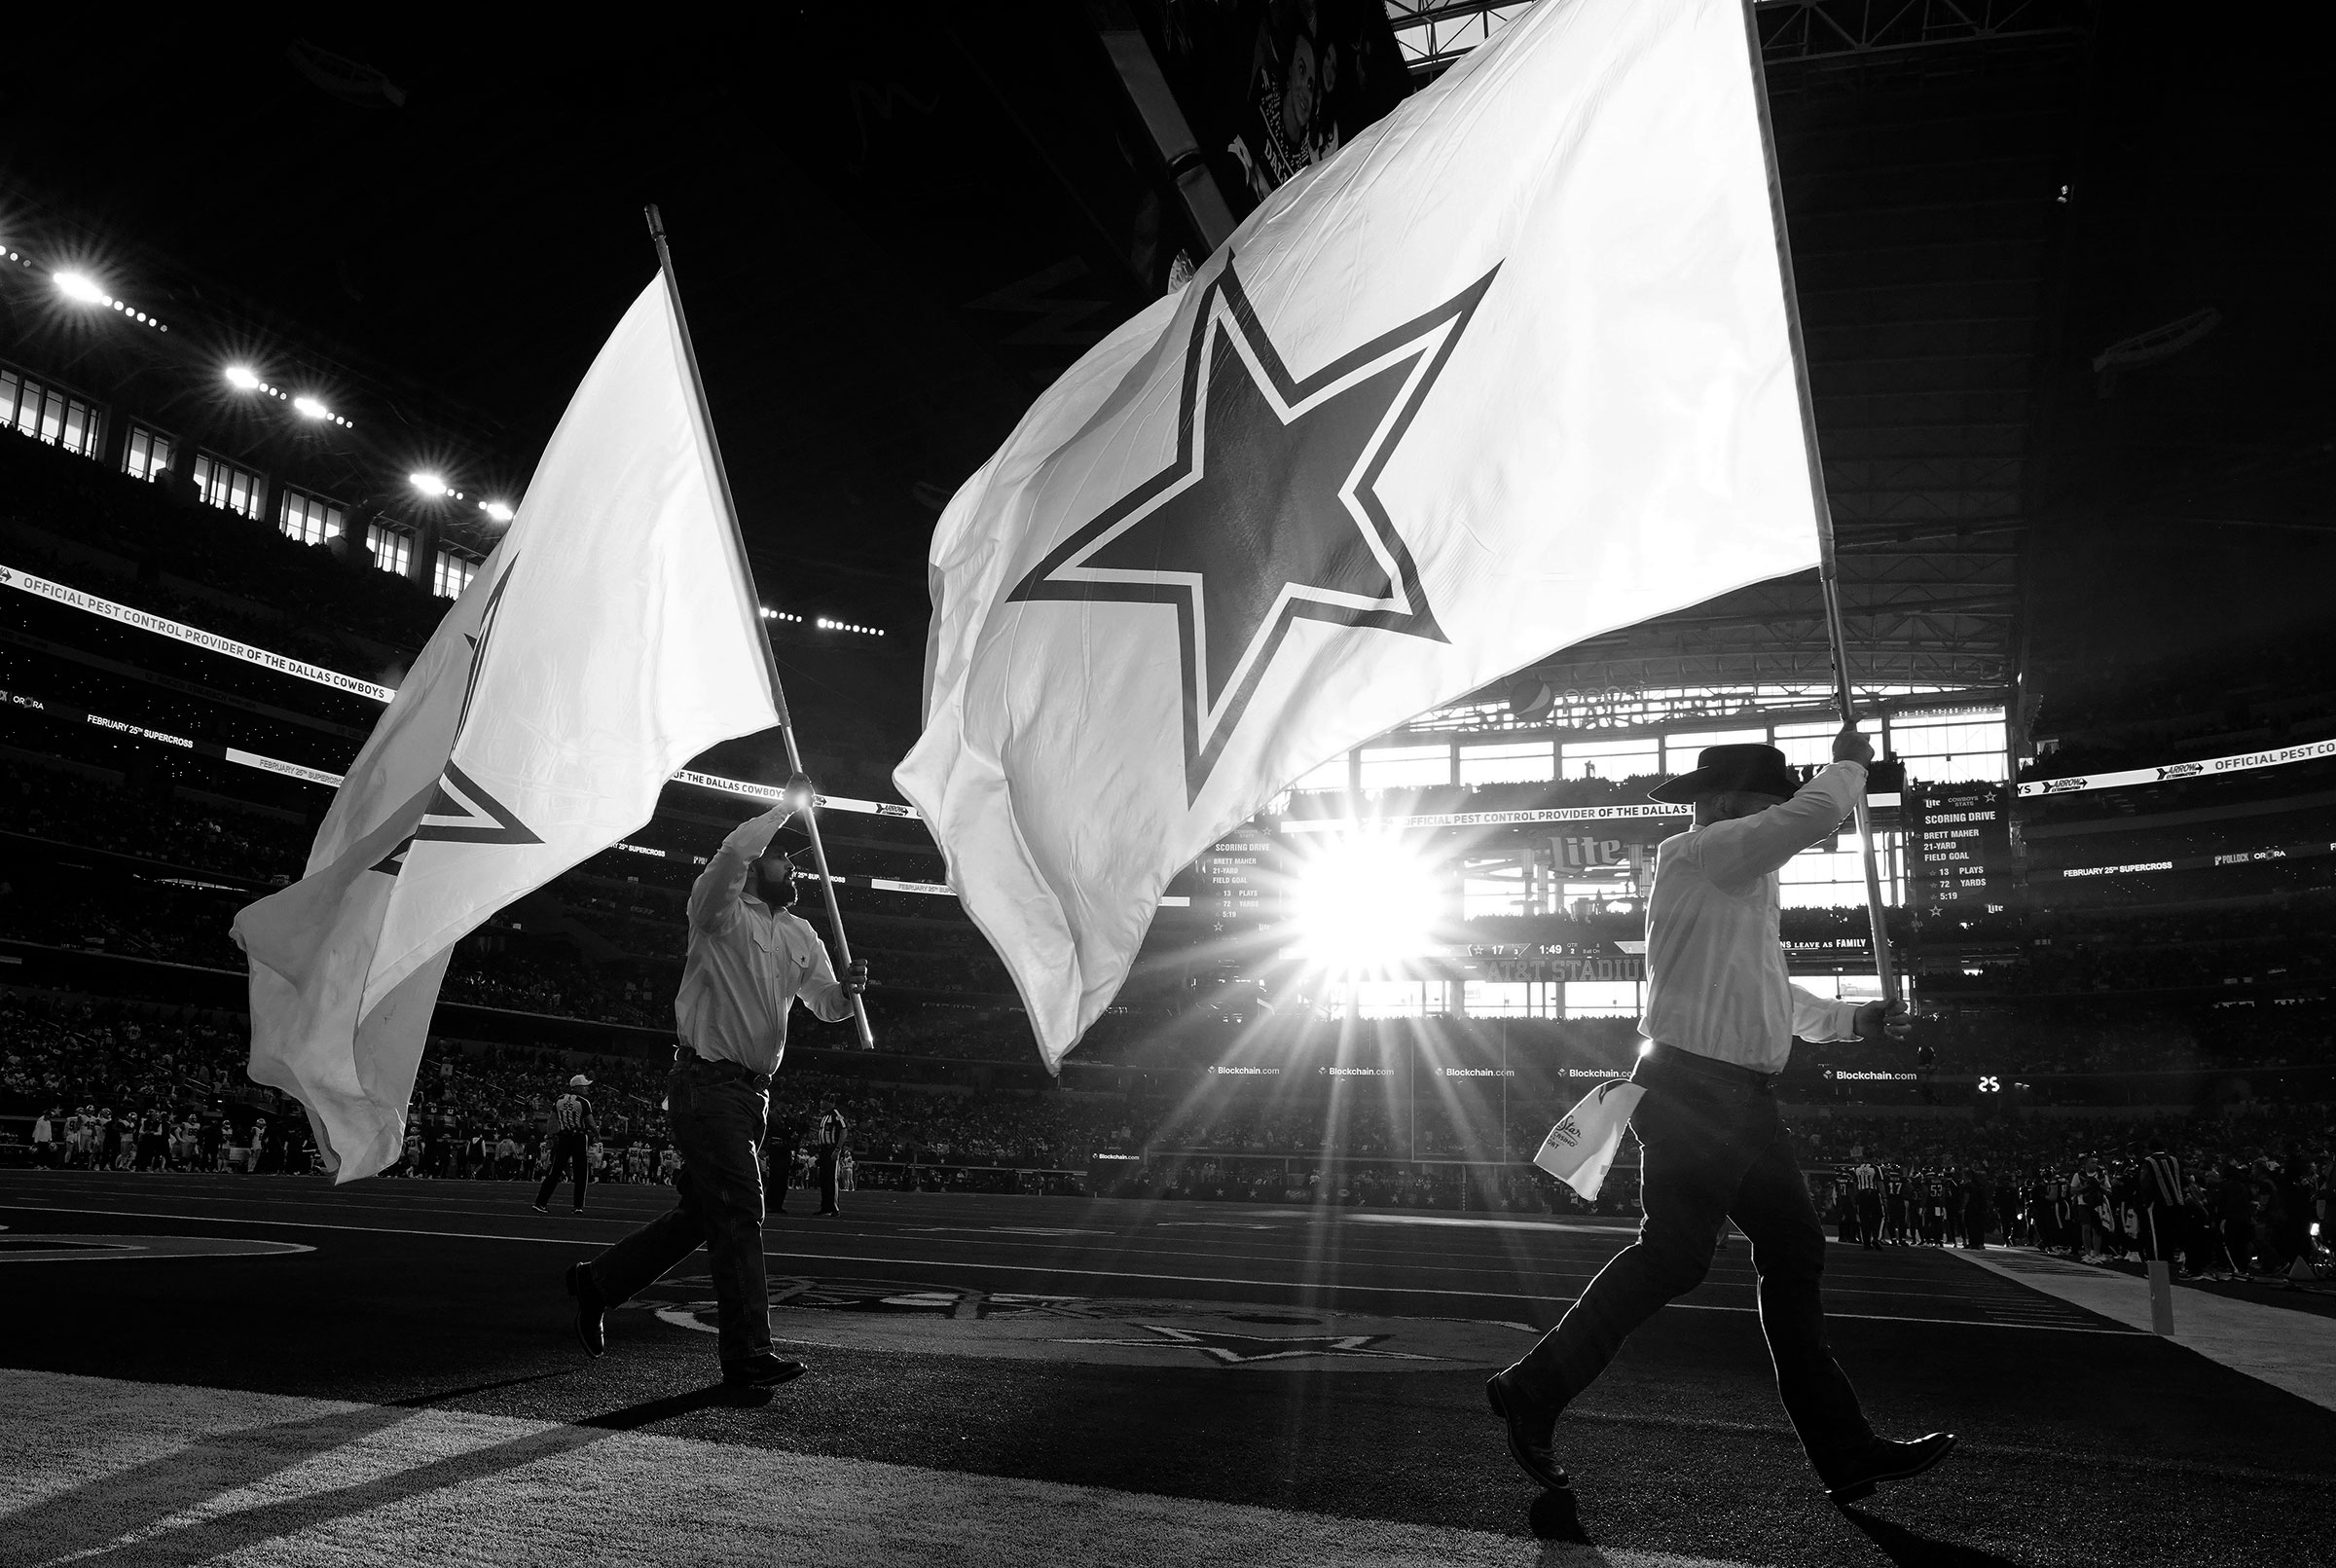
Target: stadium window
1836 879
1858 988
453 575
393 551
310 519
1407 767
1808 745
1603 999
1513 762
1493 888
1610 759
223 484
1679 751
1332 775
146 455
1391 998
46 414
1503 998
1965 748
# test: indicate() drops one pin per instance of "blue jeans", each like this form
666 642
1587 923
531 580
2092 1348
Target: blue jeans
1713 1149
717 1111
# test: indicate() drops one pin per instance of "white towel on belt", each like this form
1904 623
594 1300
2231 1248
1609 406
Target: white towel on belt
1581 1147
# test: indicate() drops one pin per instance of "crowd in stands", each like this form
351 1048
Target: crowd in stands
2129 1039
74 521
187 713
136 1086
2257 1188
2253 691
145 1086
68 1059
1379 1185
75 807
126 1088
2175 964
522 965
154 548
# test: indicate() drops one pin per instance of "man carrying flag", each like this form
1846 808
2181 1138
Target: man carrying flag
1721 1020
1512 370
749 960
612 636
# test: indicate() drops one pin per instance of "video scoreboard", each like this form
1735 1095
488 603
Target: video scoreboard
1237 883
1958 840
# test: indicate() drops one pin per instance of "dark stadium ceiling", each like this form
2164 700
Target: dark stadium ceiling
895 222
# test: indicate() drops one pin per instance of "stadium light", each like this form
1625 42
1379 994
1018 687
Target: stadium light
497 510
244 377
1362 901
309 407
427 484
76 287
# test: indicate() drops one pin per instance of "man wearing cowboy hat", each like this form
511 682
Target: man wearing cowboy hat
573 1129
1720 1022
749 961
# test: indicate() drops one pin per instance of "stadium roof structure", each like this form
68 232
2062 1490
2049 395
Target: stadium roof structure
895 239
1924 147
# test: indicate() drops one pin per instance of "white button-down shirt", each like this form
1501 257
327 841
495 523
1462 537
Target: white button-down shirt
1716 979
748 963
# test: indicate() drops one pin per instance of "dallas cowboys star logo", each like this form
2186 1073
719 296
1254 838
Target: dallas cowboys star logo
1269 511
463 811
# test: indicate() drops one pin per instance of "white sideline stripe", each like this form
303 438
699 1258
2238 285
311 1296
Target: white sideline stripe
1445 1262
2294 1351
1485 1225
91 1466
1452 1262
1075 1273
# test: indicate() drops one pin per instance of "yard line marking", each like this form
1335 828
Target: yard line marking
2294 1351
1086 1273
1575 1226
967 1236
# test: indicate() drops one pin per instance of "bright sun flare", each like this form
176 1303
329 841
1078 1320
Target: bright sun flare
1363 903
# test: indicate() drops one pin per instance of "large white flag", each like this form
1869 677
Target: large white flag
612 637
1510 371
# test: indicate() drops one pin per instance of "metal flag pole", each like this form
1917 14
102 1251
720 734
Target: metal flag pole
1828 562
770 660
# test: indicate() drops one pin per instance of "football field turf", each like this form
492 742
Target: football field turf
255 1370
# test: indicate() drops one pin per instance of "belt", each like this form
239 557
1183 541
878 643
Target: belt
685 1059
1672 1058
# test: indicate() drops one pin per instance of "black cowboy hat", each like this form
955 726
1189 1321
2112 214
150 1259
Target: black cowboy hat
1718 768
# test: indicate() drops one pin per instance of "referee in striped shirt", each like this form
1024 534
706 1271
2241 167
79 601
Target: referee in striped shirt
573 1129
1869 1205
